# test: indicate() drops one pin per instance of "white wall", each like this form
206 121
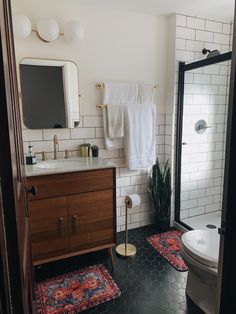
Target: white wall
119 46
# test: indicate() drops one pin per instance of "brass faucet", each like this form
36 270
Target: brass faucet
44 155
56 147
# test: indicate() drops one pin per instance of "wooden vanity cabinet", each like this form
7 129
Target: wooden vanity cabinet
72 214
91 217
49 225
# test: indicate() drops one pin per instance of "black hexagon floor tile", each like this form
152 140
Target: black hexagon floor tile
148 284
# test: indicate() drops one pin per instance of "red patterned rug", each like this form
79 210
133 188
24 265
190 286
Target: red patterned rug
76 291
168 246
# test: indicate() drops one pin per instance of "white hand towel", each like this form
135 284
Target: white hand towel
146 94
139 139
115 120
110 144
117 94
120 93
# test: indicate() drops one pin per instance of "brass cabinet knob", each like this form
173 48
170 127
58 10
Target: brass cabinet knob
74 223
61 223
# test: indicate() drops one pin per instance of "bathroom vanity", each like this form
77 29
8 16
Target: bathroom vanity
72 208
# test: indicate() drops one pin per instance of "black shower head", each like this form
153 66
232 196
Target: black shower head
212 53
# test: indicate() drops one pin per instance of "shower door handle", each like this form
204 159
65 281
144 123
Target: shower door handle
184 143
221 231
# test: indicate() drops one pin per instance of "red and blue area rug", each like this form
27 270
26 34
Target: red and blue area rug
76 291
168 246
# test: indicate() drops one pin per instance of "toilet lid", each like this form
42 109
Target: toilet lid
203 246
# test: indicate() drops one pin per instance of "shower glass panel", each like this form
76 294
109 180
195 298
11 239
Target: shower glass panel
203 139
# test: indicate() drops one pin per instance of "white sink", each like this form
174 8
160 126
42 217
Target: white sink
67 165
59 164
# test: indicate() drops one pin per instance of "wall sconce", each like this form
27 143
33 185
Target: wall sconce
47 29
22 26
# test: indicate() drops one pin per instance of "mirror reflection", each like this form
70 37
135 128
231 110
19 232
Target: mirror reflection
50 93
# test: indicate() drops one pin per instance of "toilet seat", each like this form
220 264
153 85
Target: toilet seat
203 246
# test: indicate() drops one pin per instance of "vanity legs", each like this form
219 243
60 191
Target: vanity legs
111 257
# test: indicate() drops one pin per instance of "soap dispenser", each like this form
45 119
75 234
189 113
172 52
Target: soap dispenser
30 157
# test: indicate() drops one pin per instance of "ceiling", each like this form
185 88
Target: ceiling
216 9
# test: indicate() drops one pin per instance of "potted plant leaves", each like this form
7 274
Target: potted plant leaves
95 150
160 190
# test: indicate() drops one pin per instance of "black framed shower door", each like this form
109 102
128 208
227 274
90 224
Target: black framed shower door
183 68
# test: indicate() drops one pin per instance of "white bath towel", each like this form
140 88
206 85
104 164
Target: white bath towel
116 94
146 94
115 120
139 139
120 93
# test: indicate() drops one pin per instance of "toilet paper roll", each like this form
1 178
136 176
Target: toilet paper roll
132 200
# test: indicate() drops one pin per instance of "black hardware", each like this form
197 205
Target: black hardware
221 231
33 190
205 62
205 51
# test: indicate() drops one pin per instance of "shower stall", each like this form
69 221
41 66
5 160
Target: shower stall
200 141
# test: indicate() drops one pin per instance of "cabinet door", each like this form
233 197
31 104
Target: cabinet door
48 226
92 221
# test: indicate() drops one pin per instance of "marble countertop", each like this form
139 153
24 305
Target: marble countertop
67 165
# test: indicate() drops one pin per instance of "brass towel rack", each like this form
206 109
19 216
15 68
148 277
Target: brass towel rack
101 85
100 107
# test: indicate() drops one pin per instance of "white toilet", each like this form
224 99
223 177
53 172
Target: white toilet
200 251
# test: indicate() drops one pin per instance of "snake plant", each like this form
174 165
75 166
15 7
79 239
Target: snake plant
160 190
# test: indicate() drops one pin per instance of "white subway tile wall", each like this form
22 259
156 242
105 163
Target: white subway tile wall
206 97
128 182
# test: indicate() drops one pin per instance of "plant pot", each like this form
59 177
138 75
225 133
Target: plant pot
163 224
95 152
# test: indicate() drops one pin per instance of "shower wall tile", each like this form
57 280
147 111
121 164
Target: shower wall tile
186 33
195 23
204 36
227 29
221 39
195 46
181 20
180 43
212 26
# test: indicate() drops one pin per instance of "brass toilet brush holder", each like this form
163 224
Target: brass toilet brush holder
126 249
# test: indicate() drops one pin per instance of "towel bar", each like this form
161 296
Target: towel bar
101 85
100 107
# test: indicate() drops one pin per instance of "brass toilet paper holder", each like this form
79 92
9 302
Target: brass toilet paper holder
126 249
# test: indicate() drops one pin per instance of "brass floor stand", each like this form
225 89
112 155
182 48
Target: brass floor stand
126 249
